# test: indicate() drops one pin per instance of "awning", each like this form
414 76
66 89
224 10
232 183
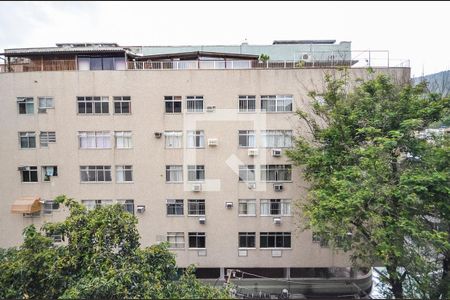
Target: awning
26 205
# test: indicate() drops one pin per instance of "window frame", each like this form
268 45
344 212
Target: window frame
245 172
276 99
174 135
26 101
46 210
44 173
267 169
197 236
284 205
33 169
174 168
96 138
46 99
196 207
127 205
172 100
121 101
195 139
125 169
50 138
245 99
28 136
246 236
96 169
176 235
195 100
174 205
246 202
198 169
247 136
94 102
276 135
276 236
127 139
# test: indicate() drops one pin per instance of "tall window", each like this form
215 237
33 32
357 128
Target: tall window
173 104
174 139
196 173
124 173
93 204
197 240
123 139
247 139
176 240
174 173
276 103
195 139
48 172
275 240
29 174
276 172
27 139
247 103
95 139
93 105
247 173
128 205
122 104
175 207
95 173
196 207
247 239
47 137
276 138
25 105
194 103
247 207
275 207
45 103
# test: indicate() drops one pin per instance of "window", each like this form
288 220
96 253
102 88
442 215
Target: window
195 139
276 172
247 239
196 173
275 207
276 103
45 103
197 240
92 204
122 104
93 105
95 139
247 139
247 103
95 173
29 174
57 238
175 207
247 173
123 140
276 138
174 139
174 173
124 173
173 104
322 239
27 140
48 172
25 105
128 205
196 207
176 240
247 207
49 207
101 63
47 137
275 240
194 103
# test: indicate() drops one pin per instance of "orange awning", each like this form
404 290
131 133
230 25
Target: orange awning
26 205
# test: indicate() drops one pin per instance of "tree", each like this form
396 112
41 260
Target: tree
101 258
373 180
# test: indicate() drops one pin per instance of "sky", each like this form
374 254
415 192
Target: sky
409 30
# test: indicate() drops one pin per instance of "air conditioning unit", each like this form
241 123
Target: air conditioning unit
158 135
213 142
202 220
252 152
307 57
42 110
211 108
228 204
140 209
276 152
278 187
196 187
251 185
277 221
23 169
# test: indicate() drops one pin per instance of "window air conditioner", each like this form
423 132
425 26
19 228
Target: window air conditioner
276 152
251 185
196 187
42 110
158 135
228 204
277 221
140 209
278 187
211 108
23 169
252 152
202 220
213 142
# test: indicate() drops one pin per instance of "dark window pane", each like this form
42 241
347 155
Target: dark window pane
117 109
97 107
108 175
89 108
34 176
22 109
125 107
105 107
96 63
177 107
108 63
32 142
169 107
81 108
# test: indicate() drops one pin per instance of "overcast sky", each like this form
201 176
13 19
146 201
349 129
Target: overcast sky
410 30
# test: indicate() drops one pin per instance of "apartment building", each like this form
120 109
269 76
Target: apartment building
191 140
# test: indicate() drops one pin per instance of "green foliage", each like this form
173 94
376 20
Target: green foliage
370 175
100 258
263 57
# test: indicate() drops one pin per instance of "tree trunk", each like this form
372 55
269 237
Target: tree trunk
394 281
